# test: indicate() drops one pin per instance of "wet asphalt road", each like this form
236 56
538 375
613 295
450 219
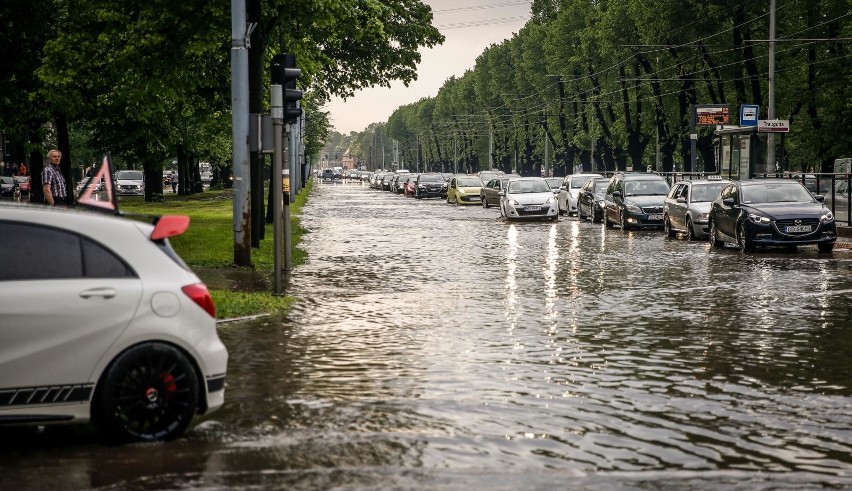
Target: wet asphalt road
440 347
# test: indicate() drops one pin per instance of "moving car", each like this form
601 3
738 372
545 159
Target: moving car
128 339
8 186
430 185
464 190
24 184
409 187
687 206
130 183
635 199
771 212
590 199
490 192
528 198
570 189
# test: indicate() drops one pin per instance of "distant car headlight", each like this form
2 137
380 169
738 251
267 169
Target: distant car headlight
550 200
514 202
760 220
602 203
633 208
421 186
826 217
444 186
703 217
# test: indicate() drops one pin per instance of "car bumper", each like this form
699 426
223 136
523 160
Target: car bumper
468 199
767 235
645 220
524 213
431 193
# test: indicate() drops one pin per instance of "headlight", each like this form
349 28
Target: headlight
550 200
703 217
514 202
826 217
444 186
633 208
758 219
421 186
602 203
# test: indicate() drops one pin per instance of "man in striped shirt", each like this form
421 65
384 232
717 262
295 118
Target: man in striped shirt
53 182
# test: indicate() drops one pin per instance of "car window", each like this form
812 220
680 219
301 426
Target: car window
46 253
684 191
645 188
578 181
704 193
792 192
469 182
674 193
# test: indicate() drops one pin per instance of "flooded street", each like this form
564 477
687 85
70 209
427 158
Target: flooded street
440 347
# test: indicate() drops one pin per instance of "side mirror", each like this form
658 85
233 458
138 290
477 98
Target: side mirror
681 199
616 194
728 202
501 193
820 198
555 191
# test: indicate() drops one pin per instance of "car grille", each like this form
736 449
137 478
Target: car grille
469 198
652 209
781 226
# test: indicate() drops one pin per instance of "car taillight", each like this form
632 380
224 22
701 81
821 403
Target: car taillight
200 295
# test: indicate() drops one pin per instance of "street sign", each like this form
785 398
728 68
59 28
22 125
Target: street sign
773 125
748 114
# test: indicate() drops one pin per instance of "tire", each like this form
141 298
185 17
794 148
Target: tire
596 217
743 243
826 248
607 223
690 232
485 202
667 227
148 393
623 219
714 238
555 218
580 215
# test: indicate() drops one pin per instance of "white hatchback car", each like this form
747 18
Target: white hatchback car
529 198
101 320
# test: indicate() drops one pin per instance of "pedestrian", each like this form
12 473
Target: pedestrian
173 181
22 169
53 182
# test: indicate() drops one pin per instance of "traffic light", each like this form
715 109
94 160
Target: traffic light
284 72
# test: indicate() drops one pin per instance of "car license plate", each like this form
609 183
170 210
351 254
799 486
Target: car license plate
798 228
532 208
655 217
474 198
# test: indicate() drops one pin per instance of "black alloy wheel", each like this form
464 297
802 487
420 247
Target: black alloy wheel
743 242
149 393
690 232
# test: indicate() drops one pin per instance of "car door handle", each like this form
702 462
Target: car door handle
99 292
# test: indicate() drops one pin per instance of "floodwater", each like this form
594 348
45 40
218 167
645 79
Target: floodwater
440 347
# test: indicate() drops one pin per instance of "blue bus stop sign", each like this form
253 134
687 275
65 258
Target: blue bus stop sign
748 114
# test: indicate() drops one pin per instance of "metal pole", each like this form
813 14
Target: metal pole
288 257
277 105
693 140
240 134
546 155
770 112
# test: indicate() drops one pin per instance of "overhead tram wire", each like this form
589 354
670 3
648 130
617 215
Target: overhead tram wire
482 7
485 22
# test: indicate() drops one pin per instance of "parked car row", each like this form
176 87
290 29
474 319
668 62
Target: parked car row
748 214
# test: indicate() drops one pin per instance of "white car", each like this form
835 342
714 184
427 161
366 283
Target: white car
529 198
570 190
101 321
130 183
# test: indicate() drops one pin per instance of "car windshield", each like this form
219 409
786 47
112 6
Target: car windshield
705 193
645 188
578 181
776 192
432 178
601 185
472 182
554 182
524 187
129 175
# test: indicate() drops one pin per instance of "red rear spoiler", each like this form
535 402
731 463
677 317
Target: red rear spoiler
169 226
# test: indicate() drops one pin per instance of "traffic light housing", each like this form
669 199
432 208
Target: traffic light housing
285 73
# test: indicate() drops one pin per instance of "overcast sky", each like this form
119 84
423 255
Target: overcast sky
469 27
